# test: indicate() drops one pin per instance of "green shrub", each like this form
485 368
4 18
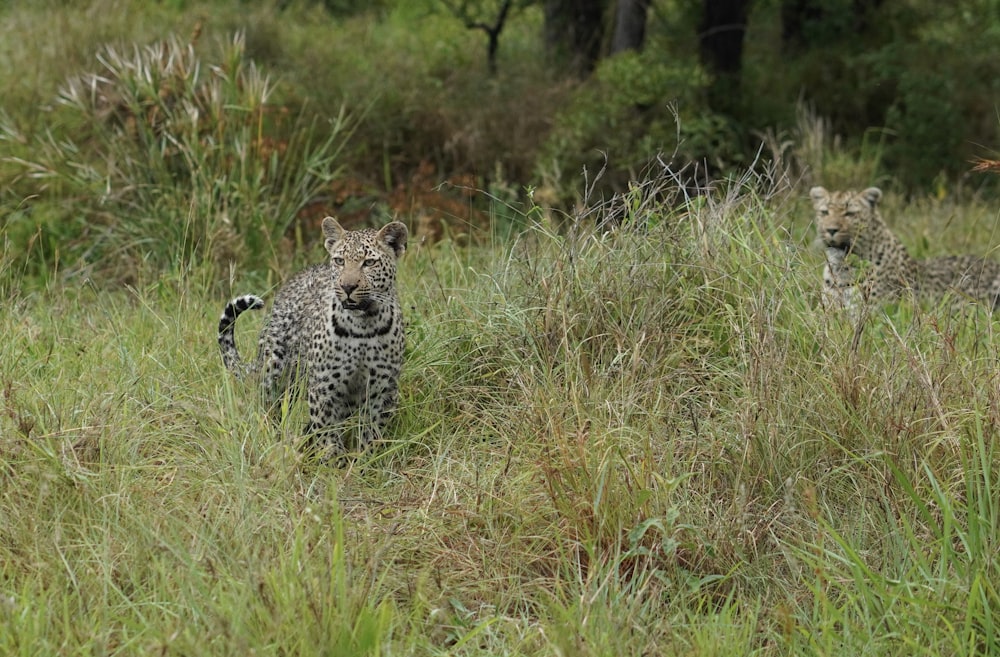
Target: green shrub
917 79
176 157
635 107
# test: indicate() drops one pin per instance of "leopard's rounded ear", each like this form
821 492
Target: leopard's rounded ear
332 231
394 235
818 194
873 195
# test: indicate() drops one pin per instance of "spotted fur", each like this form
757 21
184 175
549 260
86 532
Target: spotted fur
866 262
340 326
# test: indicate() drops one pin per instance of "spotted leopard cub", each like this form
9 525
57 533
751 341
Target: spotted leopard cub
866 262
339 326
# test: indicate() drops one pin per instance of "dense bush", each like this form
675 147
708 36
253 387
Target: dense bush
924 74
637 106
172 157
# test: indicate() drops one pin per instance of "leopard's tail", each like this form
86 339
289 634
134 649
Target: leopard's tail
227 341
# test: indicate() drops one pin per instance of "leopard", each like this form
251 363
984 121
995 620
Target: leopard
866 263
338 328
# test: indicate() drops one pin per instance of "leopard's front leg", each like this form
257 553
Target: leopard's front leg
379 407
330 407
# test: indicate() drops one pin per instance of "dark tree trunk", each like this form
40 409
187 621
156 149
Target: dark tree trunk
573 32
493 34
492 30
723 25
630 25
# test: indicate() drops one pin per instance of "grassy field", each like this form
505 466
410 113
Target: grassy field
646 440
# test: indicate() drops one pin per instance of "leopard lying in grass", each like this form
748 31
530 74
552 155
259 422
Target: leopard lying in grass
867 263
338 324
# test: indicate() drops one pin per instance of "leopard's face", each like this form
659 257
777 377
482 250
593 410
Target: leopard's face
363 263
847 221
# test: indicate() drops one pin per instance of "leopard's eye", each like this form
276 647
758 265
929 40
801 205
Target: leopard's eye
368 262
338 261
824 213
850 214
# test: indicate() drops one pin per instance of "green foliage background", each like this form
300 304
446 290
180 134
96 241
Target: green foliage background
412 80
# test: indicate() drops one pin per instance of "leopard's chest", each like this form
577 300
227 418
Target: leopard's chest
840 281
353 350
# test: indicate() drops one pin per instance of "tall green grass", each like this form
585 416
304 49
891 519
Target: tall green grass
643 440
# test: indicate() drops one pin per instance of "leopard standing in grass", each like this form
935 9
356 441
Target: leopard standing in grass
866 262
339 325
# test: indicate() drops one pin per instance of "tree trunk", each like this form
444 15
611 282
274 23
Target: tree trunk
573 32
630 25
721 32
492 30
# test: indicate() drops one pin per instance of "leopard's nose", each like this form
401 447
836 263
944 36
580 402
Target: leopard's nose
348 288
832 231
